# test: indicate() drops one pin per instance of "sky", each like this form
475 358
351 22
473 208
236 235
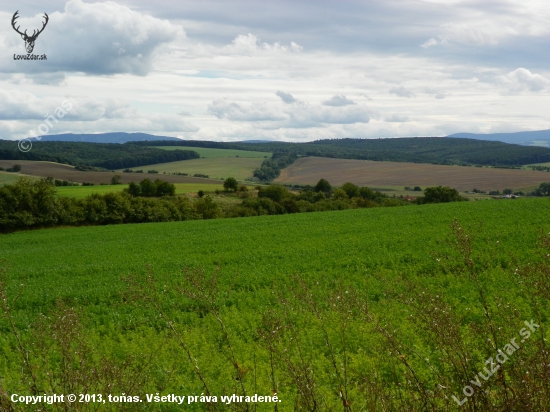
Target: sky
287 70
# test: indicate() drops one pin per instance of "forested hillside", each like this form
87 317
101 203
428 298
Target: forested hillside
418 149
106 155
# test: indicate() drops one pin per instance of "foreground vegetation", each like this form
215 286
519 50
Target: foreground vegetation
31 204
374 309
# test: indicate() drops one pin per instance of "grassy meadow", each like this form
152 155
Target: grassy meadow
325 309
8 178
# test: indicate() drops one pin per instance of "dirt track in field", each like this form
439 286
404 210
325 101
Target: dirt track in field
309 170
66 172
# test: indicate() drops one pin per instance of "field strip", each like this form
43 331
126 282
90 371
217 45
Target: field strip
66 172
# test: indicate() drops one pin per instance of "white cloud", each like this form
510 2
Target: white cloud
249 44
224 109
401 91
96 38
286 97
23 111
521 80
436 93
298 115
396 118
339 101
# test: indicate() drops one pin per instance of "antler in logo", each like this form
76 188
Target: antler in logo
29 40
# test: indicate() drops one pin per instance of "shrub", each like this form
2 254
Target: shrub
339 194
15 168
276 193
440 194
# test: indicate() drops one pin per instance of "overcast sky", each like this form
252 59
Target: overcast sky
285 70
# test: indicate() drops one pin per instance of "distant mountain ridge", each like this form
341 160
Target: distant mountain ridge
534 138
116 137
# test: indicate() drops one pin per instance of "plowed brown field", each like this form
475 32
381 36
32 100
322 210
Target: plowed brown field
66 172
309 170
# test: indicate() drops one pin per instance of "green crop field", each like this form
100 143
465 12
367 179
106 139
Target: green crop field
217 153
181 188
215 167
10 178
253 301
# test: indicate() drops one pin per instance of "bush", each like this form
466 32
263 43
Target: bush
206 208
351 190
440 194
276 193
200 193
14 169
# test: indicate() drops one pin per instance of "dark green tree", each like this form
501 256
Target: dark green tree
351 190
231 184
148 188
165 188
134 189
323 186
276 193
206 208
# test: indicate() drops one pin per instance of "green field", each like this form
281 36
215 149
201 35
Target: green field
8 178
206 152
215 167
258 300
83 191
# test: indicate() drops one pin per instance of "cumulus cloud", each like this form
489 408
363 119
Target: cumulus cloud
96 38
436 93
521 80
401 92
480 34
249 44
396 118
22 111
286 97
298 115
338 101
224 109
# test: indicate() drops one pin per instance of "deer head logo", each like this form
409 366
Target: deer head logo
29 40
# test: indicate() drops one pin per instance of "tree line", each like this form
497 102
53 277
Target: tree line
30 204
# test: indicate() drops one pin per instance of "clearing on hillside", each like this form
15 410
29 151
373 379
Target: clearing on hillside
215 167
66 172
207 152
309 170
